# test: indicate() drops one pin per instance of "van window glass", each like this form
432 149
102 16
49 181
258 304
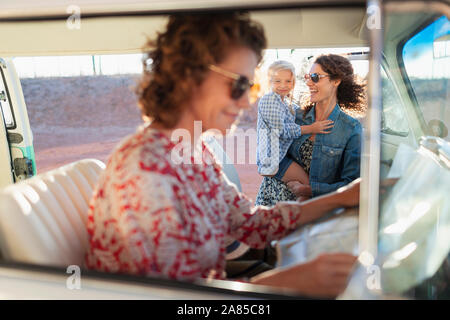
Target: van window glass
427 63
393 117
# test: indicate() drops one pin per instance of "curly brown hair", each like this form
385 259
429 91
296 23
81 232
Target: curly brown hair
178 60
351 92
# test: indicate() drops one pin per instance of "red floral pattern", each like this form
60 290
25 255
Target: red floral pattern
152 216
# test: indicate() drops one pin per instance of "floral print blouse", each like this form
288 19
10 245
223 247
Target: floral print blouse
306 151
152 215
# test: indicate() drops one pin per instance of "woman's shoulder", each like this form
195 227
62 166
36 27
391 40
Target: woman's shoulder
349 121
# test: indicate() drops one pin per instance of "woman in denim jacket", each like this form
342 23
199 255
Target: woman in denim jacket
331 160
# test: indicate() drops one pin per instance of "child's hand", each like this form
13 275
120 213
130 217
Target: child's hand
321 126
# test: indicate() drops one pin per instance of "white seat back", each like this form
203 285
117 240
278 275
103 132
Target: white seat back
43 219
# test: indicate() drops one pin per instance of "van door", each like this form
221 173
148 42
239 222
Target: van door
16 140
6 172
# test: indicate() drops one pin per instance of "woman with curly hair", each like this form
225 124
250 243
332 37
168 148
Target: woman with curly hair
158 213
331 160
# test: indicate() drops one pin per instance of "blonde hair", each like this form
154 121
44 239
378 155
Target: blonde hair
280 65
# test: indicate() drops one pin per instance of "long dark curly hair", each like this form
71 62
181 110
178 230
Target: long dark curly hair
178 60
351 92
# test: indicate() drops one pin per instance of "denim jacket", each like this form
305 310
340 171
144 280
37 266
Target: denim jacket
336 155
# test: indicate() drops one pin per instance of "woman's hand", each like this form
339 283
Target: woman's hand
300 189
326 276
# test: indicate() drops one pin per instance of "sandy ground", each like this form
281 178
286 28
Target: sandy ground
85 117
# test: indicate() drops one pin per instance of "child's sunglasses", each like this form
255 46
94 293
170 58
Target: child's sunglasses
240 84
315 77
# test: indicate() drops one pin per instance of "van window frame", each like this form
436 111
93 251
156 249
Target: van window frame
160 282
149 282
404 74
8 96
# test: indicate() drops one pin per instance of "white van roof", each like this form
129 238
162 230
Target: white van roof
48 8
34 28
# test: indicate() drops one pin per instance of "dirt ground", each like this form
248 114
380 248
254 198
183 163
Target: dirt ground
74 118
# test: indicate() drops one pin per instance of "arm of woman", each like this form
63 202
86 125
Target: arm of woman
259 225
350 168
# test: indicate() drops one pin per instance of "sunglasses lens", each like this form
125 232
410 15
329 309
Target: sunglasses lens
239 87
315 77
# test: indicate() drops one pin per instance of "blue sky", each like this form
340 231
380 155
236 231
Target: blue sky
418 52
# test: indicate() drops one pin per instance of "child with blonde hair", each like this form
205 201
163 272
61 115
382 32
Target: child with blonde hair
276 127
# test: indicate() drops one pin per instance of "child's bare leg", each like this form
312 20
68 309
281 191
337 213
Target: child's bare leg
294 176
295 172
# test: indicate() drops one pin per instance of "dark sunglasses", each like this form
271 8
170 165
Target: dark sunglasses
240 84
315 77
